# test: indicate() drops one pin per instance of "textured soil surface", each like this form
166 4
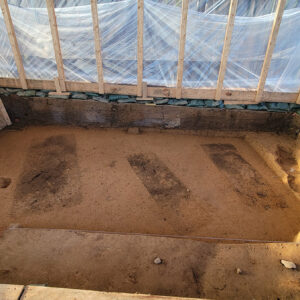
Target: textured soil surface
125 263
160 183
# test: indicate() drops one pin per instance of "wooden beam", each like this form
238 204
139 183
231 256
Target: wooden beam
140 54
238 95
13 42
270 49
4 116
97 41
298 99
145 93
183 24
47 293
56 43
226 47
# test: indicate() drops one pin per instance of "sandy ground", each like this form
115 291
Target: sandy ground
124 263
104 179
283 149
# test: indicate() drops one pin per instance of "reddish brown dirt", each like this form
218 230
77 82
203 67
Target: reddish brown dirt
162 183
125 263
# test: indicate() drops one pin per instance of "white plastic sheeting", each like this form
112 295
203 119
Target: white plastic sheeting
206 26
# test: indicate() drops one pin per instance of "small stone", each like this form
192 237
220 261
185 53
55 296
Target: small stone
100 99
59 96
13 91
157 261
161 101
234 106
127 100
3 91
92 94
181 102
288 264
14 226
196 103
212 103
278 106
26 93
133 130
117 97
239 271
81 96
259 106
40 94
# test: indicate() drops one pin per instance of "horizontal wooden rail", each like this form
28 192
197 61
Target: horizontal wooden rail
235 95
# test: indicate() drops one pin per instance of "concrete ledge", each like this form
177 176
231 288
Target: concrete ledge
49 293
11 291
52 111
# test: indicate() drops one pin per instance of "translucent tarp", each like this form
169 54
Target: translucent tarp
7 63
35 41
206 26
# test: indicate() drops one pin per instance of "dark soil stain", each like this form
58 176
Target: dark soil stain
164 187
244 178
160 182
50 177
4 182
288 162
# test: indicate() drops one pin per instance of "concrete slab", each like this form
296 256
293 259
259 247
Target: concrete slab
10 291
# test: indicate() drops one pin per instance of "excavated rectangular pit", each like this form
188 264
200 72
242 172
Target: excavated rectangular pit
157 183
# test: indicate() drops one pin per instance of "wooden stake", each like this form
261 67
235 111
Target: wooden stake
226 47
298 99
270 49
13 42
140 55
56 43
97 41
183 24
4 114
144 96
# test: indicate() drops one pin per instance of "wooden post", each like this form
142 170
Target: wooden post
97 41
13 42
226 47
4 115
183 24
56 44
144 96
298 99
270 49
140 54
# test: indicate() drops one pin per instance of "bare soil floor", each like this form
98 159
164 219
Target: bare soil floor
125 263
160 183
